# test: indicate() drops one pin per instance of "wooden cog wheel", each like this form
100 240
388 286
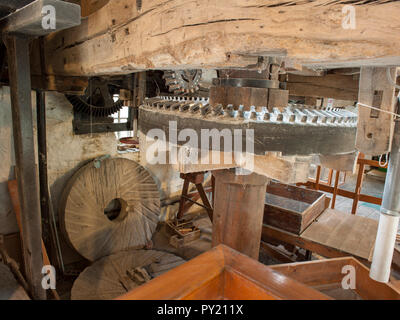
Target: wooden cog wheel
108 209
113 276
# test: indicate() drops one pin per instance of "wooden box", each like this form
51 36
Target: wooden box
291 208
182 232
327 276
223 274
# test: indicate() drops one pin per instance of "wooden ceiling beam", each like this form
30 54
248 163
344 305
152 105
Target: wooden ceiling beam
123 37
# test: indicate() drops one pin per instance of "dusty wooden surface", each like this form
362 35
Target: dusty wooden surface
348 233
111 276
89 192
336 86
122 38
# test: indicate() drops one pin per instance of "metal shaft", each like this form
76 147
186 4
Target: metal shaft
389 218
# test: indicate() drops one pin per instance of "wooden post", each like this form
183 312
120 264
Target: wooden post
239 211
375 128
26 170
139 93
204 199
359 182
317 178
197 178
335 188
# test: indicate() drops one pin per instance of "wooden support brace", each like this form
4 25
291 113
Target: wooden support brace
197 178
26 171
375 128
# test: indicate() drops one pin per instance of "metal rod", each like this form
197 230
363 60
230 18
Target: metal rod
49 224
390 213
42 154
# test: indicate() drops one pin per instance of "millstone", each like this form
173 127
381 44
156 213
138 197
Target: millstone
111 208
111 277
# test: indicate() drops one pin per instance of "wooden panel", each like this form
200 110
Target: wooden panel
275 235
330 86
211 290
274 283
239 287
370 289
324 272
292 208
345 232
315 273
288 191
238 211
374 128
186 278
119 38
201 278
236 96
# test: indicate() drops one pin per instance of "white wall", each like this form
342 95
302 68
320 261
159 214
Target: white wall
66 151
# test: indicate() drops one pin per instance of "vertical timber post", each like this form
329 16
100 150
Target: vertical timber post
26 168
139 94
239 210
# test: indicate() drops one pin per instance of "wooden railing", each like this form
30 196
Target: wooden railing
335 190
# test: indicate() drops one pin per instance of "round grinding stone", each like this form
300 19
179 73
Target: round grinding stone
110 208
117 274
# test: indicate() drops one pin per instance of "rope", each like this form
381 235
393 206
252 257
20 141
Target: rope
385 111
386 160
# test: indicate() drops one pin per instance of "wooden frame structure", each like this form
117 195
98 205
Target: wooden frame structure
327 276
356 195
223 273
196 34
187 200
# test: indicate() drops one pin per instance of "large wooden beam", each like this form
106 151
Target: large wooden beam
119 38
17 29
26 170
336 86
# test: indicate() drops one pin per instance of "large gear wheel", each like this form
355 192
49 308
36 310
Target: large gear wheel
183 81
296 130
98 99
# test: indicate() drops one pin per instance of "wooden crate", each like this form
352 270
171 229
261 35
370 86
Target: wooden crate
291 208
223 274
182 232
327 275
